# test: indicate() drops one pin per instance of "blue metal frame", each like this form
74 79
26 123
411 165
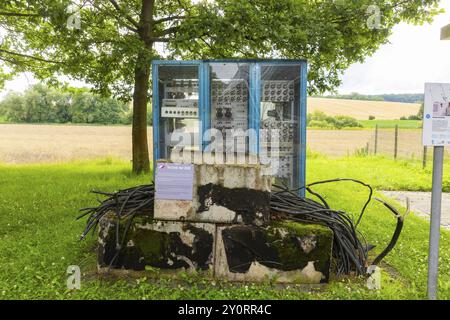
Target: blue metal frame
155 99
302 127
155 110
204 104
254 104
302 112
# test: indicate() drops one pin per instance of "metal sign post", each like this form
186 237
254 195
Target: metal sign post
436 124
435 222
436 133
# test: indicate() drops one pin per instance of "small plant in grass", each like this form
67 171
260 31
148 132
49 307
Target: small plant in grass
361 152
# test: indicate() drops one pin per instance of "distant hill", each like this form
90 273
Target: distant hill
361 110
404 97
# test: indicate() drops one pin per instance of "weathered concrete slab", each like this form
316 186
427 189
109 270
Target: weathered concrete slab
421 204
222 194
160 244
283 253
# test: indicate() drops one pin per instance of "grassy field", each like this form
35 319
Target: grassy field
389 124
361 110
39 235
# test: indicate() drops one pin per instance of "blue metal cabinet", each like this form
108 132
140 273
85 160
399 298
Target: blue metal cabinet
194 101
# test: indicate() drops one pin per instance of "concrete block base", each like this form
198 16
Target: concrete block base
282 252
287 252
159 244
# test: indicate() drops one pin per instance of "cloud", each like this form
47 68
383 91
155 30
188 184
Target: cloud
415 55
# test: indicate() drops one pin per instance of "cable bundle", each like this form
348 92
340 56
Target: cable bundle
124 203
350 250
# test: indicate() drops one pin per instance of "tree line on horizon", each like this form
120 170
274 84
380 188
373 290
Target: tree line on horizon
403 97
43 104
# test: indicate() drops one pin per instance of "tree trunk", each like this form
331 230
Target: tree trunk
141 161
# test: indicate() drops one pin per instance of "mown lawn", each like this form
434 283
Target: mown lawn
39 236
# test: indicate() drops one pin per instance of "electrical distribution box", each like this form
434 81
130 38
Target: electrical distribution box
196 102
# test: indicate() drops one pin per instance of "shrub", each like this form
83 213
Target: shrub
320 124
346 122
414 117
319 119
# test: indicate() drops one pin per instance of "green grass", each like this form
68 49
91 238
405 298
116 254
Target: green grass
390 124
381 172
39 236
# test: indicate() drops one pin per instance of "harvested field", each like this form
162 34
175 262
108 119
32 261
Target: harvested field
337 142
361 110
55 143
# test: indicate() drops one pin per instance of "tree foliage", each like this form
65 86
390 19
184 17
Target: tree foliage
104 51
113 45
41 104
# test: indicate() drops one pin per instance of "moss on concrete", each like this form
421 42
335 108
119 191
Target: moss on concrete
287 237
153 245
146 245
303 228
285 246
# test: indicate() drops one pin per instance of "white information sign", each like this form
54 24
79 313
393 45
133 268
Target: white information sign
174 181
436 122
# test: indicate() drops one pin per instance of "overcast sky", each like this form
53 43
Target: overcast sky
415 55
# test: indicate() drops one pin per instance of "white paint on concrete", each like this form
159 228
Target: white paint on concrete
232 176
217 214
258 272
